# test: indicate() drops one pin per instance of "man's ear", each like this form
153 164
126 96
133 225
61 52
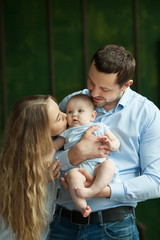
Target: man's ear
93 115
127 84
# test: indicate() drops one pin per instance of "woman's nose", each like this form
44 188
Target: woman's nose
64 116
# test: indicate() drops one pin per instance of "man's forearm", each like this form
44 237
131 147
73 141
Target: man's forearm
75 155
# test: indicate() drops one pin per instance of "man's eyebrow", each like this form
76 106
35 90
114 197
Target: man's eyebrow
101 86
89 78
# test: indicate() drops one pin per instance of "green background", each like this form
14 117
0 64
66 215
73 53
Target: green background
27 54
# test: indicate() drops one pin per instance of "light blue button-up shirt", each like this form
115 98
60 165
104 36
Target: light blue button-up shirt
136 122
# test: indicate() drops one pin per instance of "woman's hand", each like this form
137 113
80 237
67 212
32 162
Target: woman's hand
64 181
55 169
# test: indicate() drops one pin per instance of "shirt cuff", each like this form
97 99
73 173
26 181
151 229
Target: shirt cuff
117 192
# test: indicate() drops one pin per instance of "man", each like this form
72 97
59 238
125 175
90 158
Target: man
135 121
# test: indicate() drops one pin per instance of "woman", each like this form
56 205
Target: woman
27 152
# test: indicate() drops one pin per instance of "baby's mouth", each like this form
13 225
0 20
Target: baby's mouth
75 121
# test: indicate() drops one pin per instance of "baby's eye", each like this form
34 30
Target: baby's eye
69 112
80 110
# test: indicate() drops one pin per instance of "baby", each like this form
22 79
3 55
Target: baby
80 116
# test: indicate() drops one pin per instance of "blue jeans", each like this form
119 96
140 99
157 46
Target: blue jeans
63 229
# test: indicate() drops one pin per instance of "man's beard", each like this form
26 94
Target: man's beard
105 103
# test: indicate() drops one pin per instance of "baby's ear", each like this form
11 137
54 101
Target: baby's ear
93 115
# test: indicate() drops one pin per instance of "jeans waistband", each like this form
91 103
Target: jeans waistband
108 215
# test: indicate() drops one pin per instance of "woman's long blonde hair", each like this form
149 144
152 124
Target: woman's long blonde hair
23 173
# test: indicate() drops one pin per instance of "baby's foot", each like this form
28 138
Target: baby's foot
84 192
86 211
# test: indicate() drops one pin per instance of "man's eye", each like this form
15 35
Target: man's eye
90 81
105 89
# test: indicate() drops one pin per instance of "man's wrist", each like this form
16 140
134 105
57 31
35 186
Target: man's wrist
108 191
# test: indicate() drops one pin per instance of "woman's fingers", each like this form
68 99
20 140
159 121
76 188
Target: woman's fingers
55 168
64 181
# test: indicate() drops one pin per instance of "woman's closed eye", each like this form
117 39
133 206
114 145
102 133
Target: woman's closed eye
59 119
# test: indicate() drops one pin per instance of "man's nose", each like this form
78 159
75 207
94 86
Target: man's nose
94 92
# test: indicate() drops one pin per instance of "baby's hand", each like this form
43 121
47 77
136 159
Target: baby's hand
103 139
106 143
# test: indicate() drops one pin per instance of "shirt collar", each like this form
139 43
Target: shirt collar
125 98
121 104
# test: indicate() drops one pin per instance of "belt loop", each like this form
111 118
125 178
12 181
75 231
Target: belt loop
100 218
133 212
59 213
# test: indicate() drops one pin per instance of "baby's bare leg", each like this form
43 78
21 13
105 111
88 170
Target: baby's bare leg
103 175
74 179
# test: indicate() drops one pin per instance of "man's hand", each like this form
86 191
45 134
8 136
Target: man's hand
88 147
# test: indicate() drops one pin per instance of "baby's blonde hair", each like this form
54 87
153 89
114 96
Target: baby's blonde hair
84 97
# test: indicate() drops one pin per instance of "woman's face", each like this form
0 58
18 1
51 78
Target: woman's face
57 119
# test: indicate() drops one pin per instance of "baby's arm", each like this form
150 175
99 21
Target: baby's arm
111 140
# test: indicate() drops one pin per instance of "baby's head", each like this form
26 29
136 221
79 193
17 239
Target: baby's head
80 110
